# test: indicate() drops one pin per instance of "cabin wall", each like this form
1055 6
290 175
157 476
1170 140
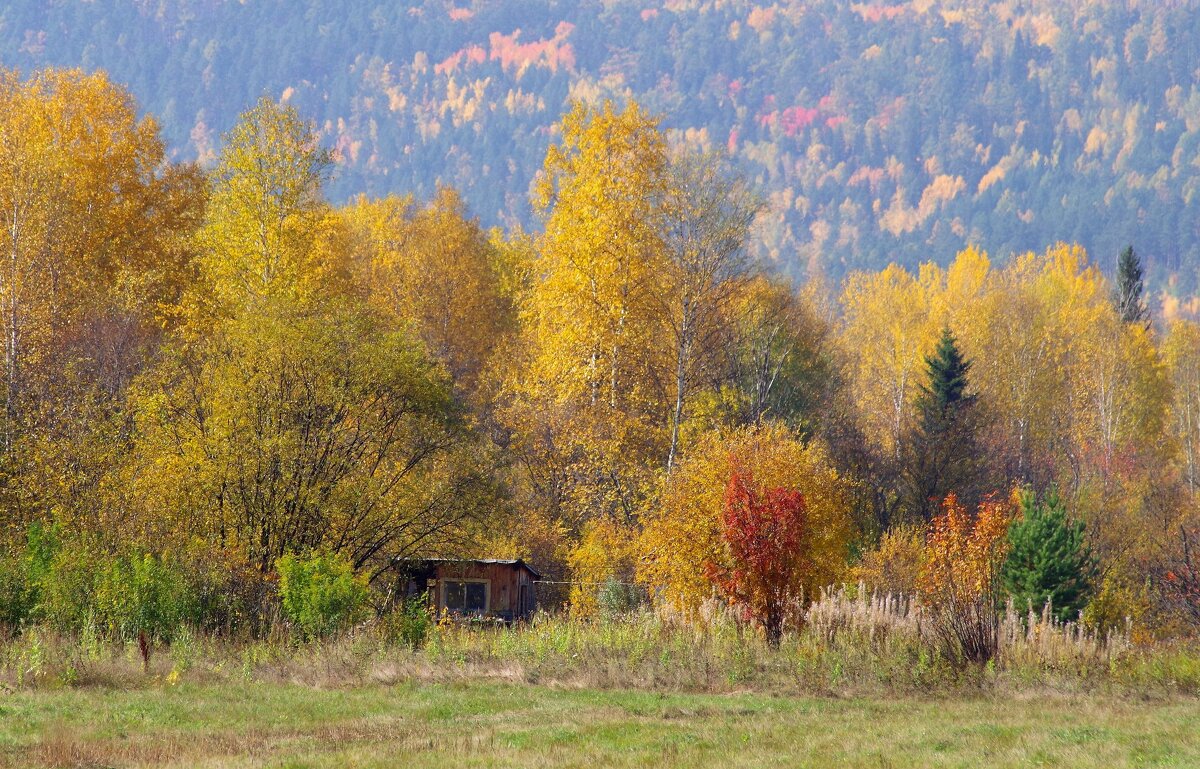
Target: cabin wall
511 589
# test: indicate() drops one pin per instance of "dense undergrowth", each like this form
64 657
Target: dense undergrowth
851 644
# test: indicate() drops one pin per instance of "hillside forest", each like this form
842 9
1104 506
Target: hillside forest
215 381
876 132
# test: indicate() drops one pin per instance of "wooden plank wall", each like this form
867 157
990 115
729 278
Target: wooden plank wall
505 581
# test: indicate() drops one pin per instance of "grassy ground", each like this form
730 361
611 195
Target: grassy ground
512 724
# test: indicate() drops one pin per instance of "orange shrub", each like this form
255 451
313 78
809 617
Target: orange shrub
959 579
963 552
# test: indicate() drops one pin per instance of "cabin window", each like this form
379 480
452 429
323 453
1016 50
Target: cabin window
467 596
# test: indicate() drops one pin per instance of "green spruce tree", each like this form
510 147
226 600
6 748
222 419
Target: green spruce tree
942 455
1048 560
1130 302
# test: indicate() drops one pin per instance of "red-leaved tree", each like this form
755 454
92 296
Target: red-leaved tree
765 533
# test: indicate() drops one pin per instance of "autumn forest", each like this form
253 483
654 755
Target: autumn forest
875 131
217 383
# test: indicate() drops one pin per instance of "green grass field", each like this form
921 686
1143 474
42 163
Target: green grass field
519 725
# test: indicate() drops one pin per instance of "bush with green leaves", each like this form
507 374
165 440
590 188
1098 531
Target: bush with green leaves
141 593
22 573
15 595
321 595
409 622
616 598
1048 558
43 542
65 593
119 595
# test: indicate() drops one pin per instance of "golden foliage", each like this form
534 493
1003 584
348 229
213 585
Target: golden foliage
889 328
1121 604
606 552
684 533
286 430
434 270
598 257
95 230
291 415
268 230
580 397
896 564
1062 378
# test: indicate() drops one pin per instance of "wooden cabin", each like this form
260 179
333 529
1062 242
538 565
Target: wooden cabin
487 588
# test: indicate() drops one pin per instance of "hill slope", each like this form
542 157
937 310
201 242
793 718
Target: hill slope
877 132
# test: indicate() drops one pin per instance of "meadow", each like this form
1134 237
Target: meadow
858 686
490 723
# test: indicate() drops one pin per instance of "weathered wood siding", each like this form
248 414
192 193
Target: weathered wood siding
511 588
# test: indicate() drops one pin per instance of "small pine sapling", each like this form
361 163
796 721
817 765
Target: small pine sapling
1048 558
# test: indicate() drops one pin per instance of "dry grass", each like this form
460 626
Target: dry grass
855 643
1022 641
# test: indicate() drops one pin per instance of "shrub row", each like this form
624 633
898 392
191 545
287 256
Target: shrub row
75 587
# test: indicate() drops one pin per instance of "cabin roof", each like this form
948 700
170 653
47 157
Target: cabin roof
481 561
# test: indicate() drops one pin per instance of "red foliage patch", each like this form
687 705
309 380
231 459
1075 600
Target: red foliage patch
553 53
766 539
796 119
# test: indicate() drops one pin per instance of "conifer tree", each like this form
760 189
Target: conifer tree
1130 302
941 455
1048 559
